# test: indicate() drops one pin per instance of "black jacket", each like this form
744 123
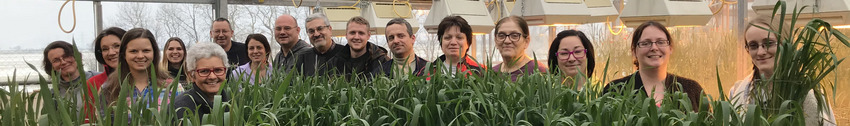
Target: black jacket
362 66
688 86
238 53
310 63
179 72
193 98
286 63
419 67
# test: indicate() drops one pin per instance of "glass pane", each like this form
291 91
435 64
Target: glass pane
27 31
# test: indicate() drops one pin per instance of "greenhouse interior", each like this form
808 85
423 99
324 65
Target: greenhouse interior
706 41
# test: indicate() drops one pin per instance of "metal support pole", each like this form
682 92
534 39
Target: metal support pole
743 66
220 8
98 17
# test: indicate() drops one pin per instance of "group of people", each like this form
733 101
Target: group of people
135 56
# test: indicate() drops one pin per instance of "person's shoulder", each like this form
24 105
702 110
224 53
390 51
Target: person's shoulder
621 80
687 81
235 43
616 84
97 78
542 66
184 100
496 67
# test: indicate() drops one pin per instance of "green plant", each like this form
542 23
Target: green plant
804 59
438 99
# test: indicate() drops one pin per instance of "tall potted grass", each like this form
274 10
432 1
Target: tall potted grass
804 59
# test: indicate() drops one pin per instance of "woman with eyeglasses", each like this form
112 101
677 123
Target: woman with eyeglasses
511 41
137 56
573 56
207 67
59 62
106 47
652 47
762 45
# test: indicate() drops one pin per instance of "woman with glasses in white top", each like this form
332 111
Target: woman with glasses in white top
762 46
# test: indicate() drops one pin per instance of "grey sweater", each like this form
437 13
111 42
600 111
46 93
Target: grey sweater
740 95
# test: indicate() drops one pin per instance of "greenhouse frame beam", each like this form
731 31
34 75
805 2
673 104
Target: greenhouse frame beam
220 6
417 4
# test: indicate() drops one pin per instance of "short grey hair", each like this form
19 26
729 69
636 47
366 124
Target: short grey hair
402 22
204 50
315 16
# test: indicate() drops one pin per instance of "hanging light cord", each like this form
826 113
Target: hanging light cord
610 29
723 4
355 4
297 5
609 22
408 8
73 12
497 7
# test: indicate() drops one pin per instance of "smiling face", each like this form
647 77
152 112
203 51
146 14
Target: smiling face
256 51
139 54
401 44
110 46
508 47
221 33
212 82
570 59
653 56
62 63
320 34
174 52
285 30
763 57
357 35
454 43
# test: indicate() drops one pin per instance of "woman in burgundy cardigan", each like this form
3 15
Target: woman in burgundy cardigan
652 47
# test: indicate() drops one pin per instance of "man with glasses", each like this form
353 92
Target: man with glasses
221 33
286 32
316 61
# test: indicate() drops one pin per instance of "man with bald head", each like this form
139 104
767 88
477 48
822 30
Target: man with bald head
287 32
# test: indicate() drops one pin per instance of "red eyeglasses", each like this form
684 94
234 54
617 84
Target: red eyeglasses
206 72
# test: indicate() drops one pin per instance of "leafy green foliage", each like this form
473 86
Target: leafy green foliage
439 99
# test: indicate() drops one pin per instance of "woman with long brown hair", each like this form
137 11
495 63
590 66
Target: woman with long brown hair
137 56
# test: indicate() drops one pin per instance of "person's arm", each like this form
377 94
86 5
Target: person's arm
815 116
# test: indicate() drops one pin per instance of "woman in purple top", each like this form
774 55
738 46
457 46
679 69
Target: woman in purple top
258 52
512 40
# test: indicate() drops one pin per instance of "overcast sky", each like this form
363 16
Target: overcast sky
32 24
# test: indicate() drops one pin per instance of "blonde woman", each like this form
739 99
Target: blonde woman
761 45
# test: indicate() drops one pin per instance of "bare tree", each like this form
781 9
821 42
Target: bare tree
132 15
170 21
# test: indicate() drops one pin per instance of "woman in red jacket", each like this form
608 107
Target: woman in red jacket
106 47
455 36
